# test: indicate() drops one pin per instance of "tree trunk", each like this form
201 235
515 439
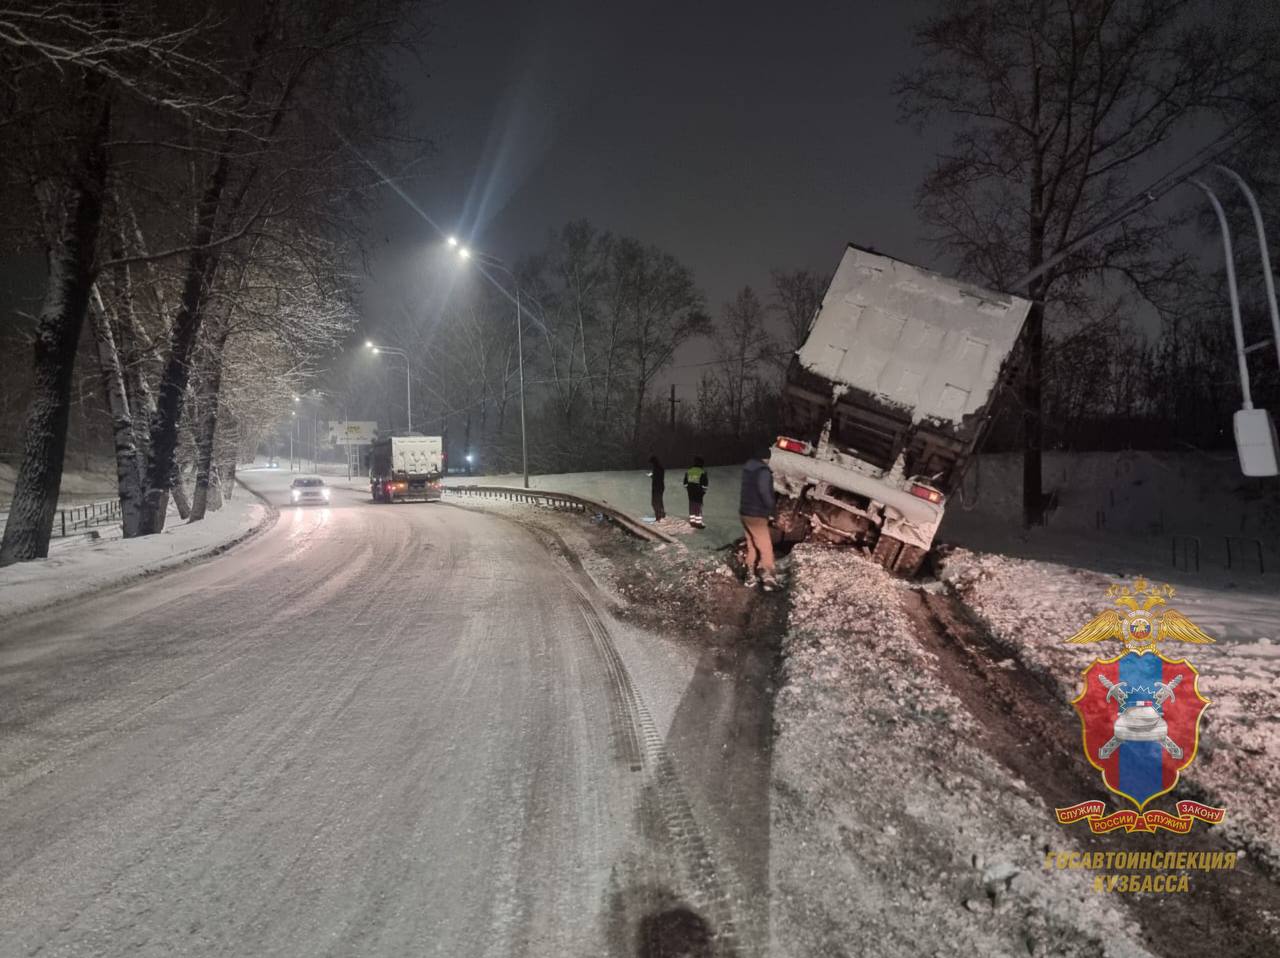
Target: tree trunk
128 465
206 431
1032 429
186 327
35 495
179 491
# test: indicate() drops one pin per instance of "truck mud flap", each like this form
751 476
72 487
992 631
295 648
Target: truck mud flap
899 557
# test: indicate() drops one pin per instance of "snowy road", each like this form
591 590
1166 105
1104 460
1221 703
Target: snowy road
374 730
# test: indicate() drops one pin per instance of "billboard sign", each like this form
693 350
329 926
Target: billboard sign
351 433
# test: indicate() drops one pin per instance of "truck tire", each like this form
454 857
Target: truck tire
898 557
792 521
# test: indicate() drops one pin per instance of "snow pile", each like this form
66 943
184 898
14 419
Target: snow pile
1033 607
81 566
889 827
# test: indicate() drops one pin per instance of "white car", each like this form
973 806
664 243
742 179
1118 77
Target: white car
309 490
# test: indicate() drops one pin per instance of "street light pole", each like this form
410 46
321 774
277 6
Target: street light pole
408 388
1232 289
524 448
1263 250
495 263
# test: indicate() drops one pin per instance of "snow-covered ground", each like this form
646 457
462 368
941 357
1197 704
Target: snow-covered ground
80 565
889 825
91 482
82 482
1033 607
1118 512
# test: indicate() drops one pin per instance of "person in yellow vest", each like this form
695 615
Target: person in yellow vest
695 484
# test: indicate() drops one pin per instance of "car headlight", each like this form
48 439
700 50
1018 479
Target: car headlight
294 494
325 493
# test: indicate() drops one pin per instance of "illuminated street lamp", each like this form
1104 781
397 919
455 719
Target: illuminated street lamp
494 263
408 395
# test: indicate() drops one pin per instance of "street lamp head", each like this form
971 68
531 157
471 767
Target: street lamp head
368 344
453 241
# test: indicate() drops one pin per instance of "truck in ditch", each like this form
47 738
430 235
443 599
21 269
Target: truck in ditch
885 402
406 467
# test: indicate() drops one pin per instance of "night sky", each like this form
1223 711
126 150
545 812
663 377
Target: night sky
738 136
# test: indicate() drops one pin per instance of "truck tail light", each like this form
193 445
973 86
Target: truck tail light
793 445
924 492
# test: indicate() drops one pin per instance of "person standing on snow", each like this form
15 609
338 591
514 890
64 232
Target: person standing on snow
695 484
754 508
659 476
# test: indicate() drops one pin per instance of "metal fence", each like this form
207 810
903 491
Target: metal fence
565 502
70 521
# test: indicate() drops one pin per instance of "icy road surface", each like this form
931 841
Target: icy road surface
374 730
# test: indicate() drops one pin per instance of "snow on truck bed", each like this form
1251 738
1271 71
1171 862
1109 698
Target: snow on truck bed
911 337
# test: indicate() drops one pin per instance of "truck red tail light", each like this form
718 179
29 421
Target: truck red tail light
793 445
924 492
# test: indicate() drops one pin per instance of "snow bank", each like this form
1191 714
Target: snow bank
889 827
78 566
1032 607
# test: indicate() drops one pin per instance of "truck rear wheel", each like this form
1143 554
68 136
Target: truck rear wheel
899 557
792 521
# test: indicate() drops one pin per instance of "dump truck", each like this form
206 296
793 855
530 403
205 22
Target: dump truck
885 402
406 467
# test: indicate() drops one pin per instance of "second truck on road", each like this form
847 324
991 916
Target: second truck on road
406 467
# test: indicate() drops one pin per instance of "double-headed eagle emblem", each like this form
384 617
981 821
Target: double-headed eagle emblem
1140 628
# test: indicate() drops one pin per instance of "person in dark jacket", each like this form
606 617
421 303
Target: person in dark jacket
659 476
754 508
695 484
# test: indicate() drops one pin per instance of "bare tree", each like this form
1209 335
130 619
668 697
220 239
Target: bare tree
1056 103
743 344
661 309
72 68
797 295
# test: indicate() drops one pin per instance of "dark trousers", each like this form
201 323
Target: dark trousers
658 511
695 505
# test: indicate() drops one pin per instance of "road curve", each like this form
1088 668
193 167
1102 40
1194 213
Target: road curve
374 730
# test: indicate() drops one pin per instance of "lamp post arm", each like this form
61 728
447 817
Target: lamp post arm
1262 247
1232 289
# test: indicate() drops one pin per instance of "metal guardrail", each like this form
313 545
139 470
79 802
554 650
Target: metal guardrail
565 501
